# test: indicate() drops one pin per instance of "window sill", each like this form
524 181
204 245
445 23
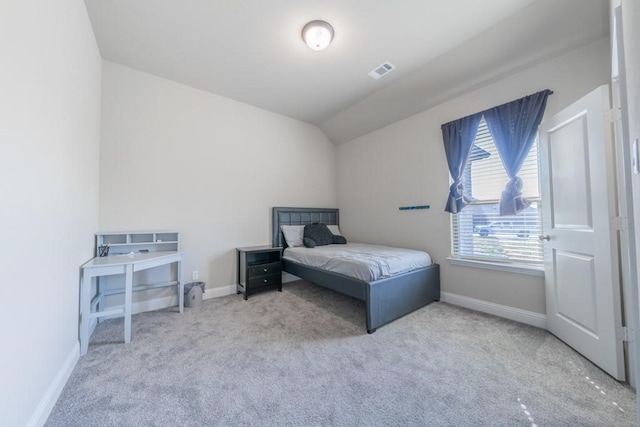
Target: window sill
508 267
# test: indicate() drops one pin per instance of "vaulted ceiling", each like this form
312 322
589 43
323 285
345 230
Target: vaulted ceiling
251 50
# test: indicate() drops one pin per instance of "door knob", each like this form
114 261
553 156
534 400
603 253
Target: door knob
544 237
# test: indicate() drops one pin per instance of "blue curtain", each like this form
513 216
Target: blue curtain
458 137
513 127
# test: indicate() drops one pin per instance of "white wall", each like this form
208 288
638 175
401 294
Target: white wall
405 164
49 130
174 157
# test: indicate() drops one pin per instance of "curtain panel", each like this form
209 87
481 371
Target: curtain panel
513 127
458 137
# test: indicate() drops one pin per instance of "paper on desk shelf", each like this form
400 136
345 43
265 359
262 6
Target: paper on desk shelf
127 254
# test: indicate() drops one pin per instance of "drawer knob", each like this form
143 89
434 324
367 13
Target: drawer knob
264 269
265 280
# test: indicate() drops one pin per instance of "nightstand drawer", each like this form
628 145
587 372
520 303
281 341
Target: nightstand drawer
272 280
264 269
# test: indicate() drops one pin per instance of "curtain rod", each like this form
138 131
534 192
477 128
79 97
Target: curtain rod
483 111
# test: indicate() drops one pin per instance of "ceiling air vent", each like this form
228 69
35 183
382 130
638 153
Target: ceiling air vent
381 70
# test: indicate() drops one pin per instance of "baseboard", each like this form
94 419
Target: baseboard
522 316
142 306
48 401
172 300
154 304
288 277
219 292
519 315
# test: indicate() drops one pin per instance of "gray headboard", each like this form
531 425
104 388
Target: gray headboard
301 216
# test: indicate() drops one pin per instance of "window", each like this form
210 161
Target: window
478 231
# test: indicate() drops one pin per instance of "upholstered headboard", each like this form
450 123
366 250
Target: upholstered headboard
300 216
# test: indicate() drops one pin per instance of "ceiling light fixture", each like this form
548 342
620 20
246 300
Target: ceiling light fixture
317 34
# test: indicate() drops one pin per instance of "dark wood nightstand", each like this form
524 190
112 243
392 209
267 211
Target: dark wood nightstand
259 267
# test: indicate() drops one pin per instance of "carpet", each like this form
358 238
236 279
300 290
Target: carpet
303 358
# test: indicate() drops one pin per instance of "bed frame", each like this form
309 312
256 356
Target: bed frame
386 299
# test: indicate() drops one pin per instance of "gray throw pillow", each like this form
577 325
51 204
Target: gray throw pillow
319 234
339 240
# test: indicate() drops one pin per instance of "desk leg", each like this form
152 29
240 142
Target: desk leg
180 287
99 303
85 309
128 297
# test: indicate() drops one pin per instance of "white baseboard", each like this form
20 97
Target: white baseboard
48 401
522 316
171 301
154 304
219 292
142 306
158 303
288 277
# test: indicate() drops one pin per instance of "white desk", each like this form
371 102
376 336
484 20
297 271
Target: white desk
127 265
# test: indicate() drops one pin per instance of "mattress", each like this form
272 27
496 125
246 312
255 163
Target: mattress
359 260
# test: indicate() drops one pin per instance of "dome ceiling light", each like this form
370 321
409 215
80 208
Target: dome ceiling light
317 34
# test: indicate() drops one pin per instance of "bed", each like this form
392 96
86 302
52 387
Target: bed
385 299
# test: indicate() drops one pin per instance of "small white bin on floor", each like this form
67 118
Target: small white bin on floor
193 294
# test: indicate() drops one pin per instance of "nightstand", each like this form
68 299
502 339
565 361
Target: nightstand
259 268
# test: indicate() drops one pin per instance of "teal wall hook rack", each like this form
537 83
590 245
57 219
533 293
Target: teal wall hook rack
411 208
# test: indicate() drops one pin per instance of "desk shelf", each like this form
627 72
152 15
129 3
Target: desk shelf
148 241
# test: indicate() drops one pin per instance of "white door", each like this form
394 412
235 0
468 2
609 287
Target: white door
580 250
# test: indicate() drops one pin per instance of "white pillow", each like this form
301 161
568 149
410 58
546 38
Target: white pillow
335 230
293 234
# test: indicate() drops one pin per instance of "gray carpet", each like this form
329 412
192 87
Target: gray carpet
303 357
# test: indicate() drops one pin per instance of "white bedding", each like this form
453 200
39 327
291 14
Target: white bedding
359 260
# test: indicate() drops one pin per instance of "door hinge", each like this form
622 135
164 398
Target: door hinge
613 115
625 334
619 223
